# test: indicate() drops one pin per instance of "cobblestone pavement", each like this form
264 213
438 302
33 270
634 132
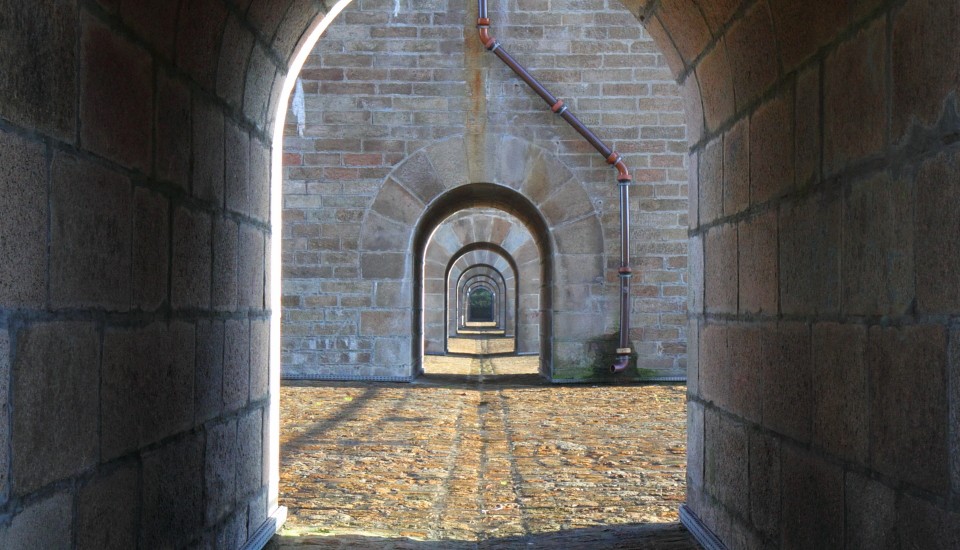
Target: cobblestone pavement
482 453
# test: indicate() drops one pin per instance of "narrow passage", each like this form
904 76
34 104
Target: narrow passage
481 453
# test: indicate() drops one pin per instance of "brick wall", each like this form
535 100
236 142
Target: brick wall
379 88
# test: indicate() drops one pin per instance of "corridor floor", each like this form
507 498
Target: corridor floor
482 453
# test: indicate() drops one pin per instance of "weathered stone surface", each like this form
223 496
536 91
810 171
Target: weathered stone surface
45 524
225 260
743 372
174 131
871 514
736 168
250 453
208 392
198 39
259 184
151 230
925 44
810 257
91 216
840 389
4 415
55 411
237 172
23 221
853 92
261 73
771 149
384 323
787 380
716 86
173 493
107 510
923 525
908 404
765 484
750 42
191 259
220 470
236 365
260 366
39 65
580 237
695 444
812 494
234 53
727 462
147 382
384 266
878 248
251 276
208 168
570 201
807 127
758 249
937 248
116 97
417 174
720 269
711 181
154 20
396 203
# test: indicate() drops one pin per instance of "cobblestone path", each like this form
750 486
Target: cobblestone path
481 453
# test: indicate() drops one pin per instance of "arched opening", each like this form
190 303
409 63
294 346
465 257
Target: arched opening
505 200
544 179
481 305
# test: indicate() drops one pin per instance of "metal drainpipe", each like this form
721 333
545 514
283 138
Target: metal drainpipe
612 157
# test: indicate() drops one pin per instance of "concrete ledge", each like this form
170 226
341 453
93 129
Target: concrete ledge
701 532
266 531
358 378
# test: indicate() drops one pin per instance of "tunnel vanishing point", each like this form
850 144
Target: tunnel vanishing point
174 241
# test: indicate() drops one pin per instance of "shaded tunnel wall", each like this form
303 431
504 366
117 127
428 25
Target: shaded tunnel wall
823 392
135 142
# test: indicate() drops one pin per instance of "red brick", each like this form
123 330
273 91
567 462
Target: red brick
855 95
116 97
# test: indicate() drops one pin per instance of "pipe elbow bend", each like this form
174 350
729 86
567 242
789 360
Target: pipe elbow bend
620 364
